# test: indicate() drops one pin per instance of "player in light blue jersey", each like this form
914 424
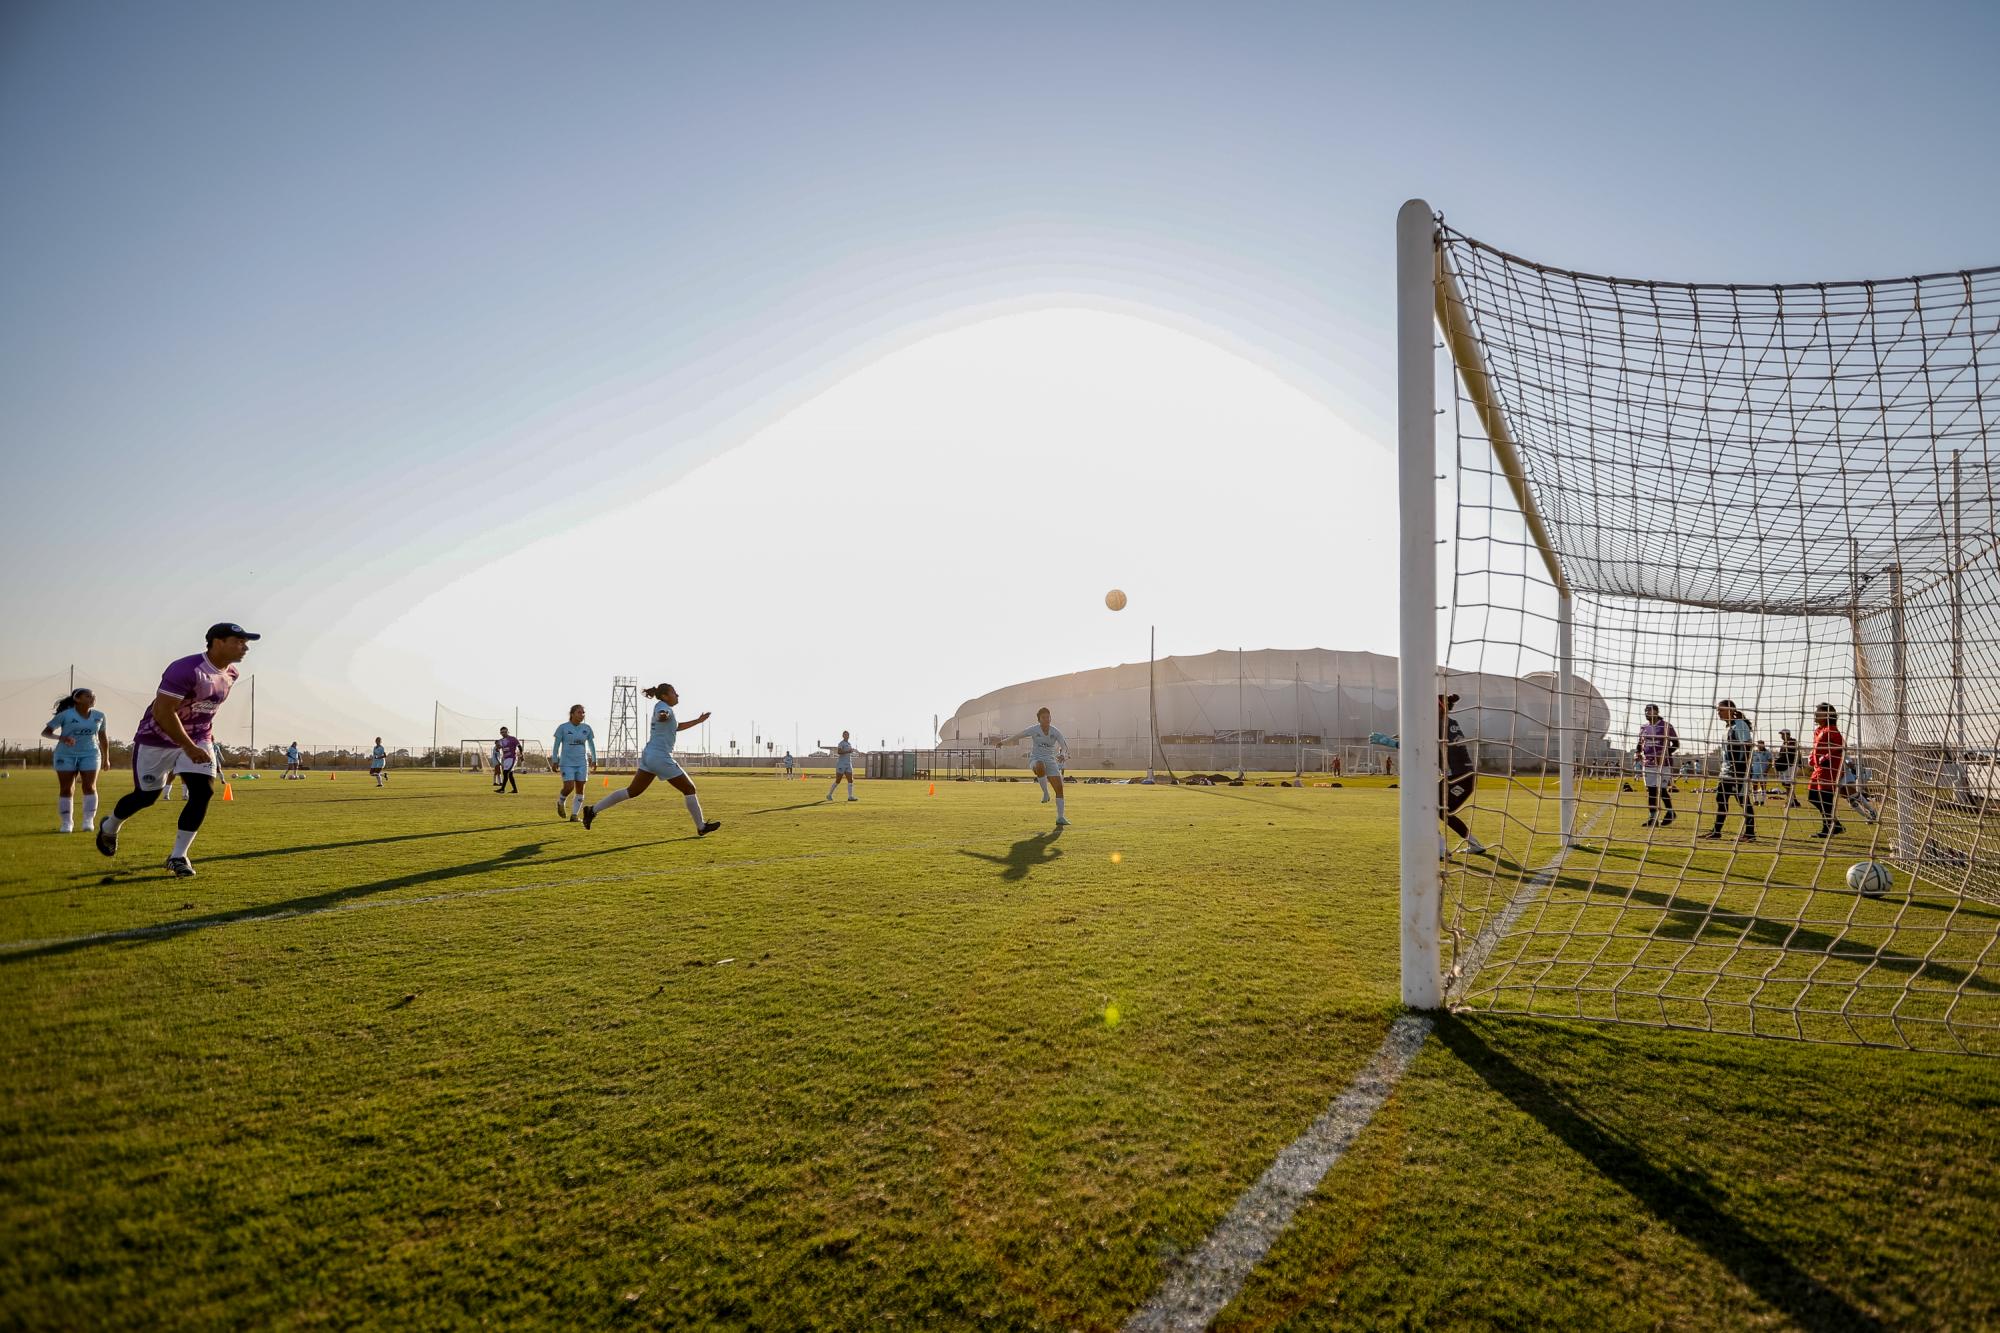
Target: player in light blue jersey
1047 753
575 751
78 730
292 769
657 761
843 765
378 763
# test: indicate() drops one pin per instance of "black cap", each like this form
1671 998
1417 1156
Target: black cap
229 629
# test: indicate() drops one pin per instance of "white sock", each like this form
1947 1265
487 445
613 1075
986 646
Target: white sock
694 809
1059 806
62 808
622 794
576 803
110 824
183 839
90 809
834 788
1043 783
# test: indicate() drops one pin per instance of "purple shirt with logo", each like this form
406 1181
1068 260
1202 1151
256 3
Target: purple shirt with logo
1657 740
201 687
510 747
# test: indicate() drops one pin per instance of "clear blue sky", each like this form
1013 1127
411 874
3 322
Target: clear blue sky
307 311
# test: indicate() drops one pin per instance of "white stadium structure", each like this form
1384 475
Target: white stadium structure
1279 708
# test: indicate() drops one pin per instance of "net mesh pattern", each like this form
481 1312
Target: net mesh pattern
1778 496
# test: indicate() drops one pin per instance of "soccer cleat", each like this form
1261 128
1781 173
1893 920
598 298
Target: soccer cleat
181 866
1473 847
853 798
1746 837
1650 821
560 812
589 815
1668 820
829 800
1061 822
65 829
708 828
1045 798
1713 835
107 840
572 818
1839 827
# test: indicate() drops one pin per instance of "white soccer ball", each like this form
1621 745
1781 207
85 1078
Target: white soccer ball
1870 879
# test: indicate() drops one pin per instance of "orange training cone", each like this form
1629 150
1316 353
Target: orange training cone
228 792
933 789
329 777
607 784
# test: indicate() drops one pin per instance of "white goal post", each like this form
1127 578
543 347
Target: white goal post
1731 540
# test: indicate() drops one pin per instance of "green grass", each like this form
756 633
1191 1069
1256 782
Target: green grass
428 1055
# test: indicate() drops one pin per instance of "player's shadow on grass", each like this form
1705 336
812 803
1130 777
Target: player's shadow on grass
513 858
780 809
1687 920
1023 856
1678 1196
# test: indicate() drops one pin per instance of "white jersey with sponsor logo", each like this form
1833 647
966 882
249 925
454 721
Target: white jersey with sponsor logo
1044 747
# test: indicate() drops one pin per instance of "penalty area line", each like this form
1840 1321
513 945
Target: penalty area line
1202 1285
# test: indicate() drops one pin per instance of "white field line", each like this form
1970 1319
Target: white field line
262 918
1202 1285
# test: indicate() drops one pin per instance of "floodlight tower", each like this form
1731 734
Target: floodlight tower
622 726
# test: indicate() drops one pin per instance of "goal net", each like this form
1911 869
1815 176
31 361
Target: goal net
475 755
1770 513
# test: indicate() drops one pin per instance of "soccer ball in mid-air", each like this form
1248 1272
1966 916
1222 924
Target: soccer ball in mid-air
1115 599
1870 879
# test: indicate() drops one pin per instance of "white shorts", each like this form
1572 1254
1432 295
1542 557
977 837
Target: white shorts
1051 768
507 763
1656 777
841 766
152 765
661 766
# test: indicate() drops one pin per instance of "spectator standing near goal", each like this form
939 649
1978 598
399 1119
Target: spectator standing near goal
1048 751
575 751
79 733
657 761
506 754
843 765
1658 743
1760 765
1785 766
1736 741
174 737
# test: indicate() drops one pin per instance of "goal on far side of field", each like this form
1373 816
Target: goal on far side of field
476 755
1679 494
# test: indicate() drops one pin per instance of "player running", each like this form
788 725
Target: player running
1735 772
1458 775
378 763
506 754
575 751
1658 742
657 761
79 753
1048 751
843 765
292 769
175 737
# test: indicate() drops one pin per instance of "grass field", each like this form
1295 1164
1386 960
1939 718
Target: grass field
428 1056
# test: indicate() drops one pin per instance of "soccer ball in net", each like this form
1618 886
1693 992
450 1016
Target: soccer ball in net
1115 599
1870 879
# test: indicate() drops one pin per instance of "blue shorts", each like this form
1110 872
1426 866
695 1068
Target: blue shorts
576 772
661 765
845 766
78 762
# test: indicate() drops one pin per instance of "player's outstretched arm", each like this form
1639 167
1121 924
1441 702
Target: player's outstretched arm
695 723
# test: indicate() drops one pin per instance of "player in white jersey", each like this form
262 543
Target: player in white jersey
843 765
1047 753
378 763
657 761
575 751
81 744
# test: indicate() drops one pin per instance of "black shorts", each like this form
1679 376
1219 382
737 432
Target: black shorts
1455 791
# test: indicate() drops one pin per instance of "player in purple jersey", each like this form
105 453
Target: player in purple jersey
174 737
506 754
1657 743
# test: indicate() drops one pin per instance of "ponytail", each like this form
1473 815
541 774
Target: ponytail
657 691
67 701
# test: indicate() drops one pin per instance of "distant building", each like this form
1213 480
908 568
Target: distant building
1337 700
